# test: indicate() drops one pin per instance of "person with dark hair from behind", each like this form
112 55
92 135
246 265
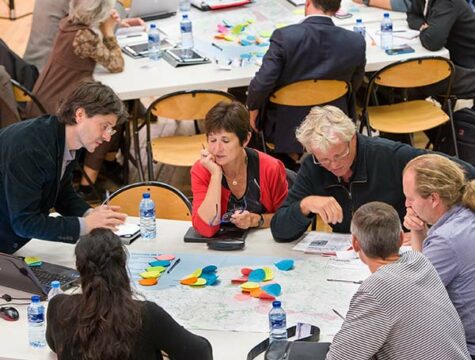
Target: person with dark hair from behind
105 322
231 183
402 310
313 49
36 169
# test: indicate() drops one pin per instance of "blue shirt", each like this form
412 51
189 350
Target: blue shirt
450 247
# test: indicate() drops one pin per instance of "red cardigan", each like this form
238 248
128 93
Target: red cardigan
273 184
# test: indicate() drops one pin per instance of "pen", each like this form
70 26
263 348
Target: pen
373 42
339 315
217 46
173 266
346 281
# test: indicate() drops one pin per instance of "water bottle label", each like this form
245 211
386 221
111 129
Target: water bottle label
185 27
36 317
148 213
153 38
278 323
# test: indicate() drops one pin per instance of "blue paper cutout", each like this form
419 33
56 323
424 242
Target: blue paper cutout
285 265
210 278
209 269
164 263
272 289
257 275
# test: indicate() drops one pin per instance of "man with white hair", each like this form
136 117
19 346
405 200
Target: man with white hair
344 171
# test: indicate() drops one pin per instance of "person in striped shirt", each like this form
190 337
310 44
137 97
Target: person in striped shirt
402 310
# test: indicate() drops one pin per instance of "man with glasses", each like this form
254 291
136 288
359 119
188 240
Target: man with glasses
344 171
36 169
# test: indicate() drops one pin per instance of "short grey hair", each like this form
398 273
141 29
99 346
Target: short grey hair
325 126
377 227
90 12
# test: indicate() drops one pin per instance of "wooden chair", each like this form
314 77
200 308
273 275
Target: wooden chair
23 96
170 202
410 116
309 93
190 105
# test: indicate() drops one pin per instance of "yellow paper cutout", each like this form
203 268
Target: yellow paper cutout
150 274
199 282
156 268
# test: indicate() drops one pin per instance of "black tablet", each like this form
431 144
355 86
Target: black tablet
224 233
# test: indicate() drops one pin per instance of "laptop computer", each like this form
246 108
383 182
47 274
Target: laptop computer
153 9
16 274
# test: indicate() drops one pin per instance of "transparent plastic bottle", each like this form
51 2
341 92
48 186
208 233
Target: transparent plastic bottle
386 32
148 228
359 27
186 29
277 322
154 52
55 289
36 323
185 5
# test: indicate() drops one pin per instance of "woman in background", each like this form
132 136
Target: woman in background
85 38
105 322
232 183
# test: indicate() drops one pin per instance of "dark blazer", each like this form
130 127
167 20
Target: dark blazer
451 25
31 155
313 49
377 176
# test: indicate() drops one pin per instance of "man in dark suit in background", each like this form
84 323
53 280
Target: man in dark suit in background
312 49
450 24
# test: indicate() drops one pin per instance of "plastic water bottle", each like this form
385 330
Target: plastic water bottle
277 323
386 32
154 52
36 323
185 5
186 36
148 228
55 289
359 27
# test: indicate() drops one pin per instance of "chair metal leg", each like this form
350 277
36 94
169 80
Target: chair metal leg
452 126
89 181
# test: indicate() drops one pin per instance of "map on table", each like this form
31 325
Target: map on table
306 295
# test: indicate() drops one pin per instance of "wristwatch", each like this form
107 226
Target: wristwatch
260 223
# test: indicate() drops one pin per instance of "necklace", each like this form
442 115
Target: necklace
235 182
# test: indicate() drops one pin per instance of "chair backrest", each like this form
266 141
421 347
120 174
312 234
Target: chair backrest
414 73
310 92
24 96
187 105
170 202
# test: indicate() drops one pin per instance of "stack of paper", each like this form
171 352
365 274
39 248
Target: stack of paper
323 243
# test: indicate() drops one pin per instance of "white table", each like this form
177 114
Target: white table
142 78
226 345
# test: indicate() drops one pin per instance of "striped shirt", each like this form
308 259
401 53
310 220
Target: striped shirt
401 312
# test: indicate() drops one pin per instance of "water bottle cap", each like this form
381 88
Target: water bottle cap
35 299
146 195
359 21
153 26
55 284
276 304
386 15
185 16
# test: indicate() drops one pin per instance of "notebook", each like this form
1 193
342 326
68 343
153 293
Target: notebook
150 10
16 274
224 233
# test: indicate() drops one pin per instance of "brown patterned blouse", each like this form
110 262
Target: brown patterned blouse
104 51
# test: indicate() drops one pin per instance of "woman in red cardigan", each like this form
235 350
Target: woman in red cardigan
233 184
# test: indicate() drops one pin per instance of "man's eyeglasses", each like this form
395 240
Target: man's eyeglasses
336 158
108 129
226 218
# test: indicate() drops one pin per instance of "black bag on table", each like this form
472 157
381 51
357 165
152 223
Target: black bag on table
307 348
464 121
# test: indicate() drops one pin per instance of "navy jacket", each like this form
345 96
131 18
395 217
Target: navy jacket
313 49
31 155
377 176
